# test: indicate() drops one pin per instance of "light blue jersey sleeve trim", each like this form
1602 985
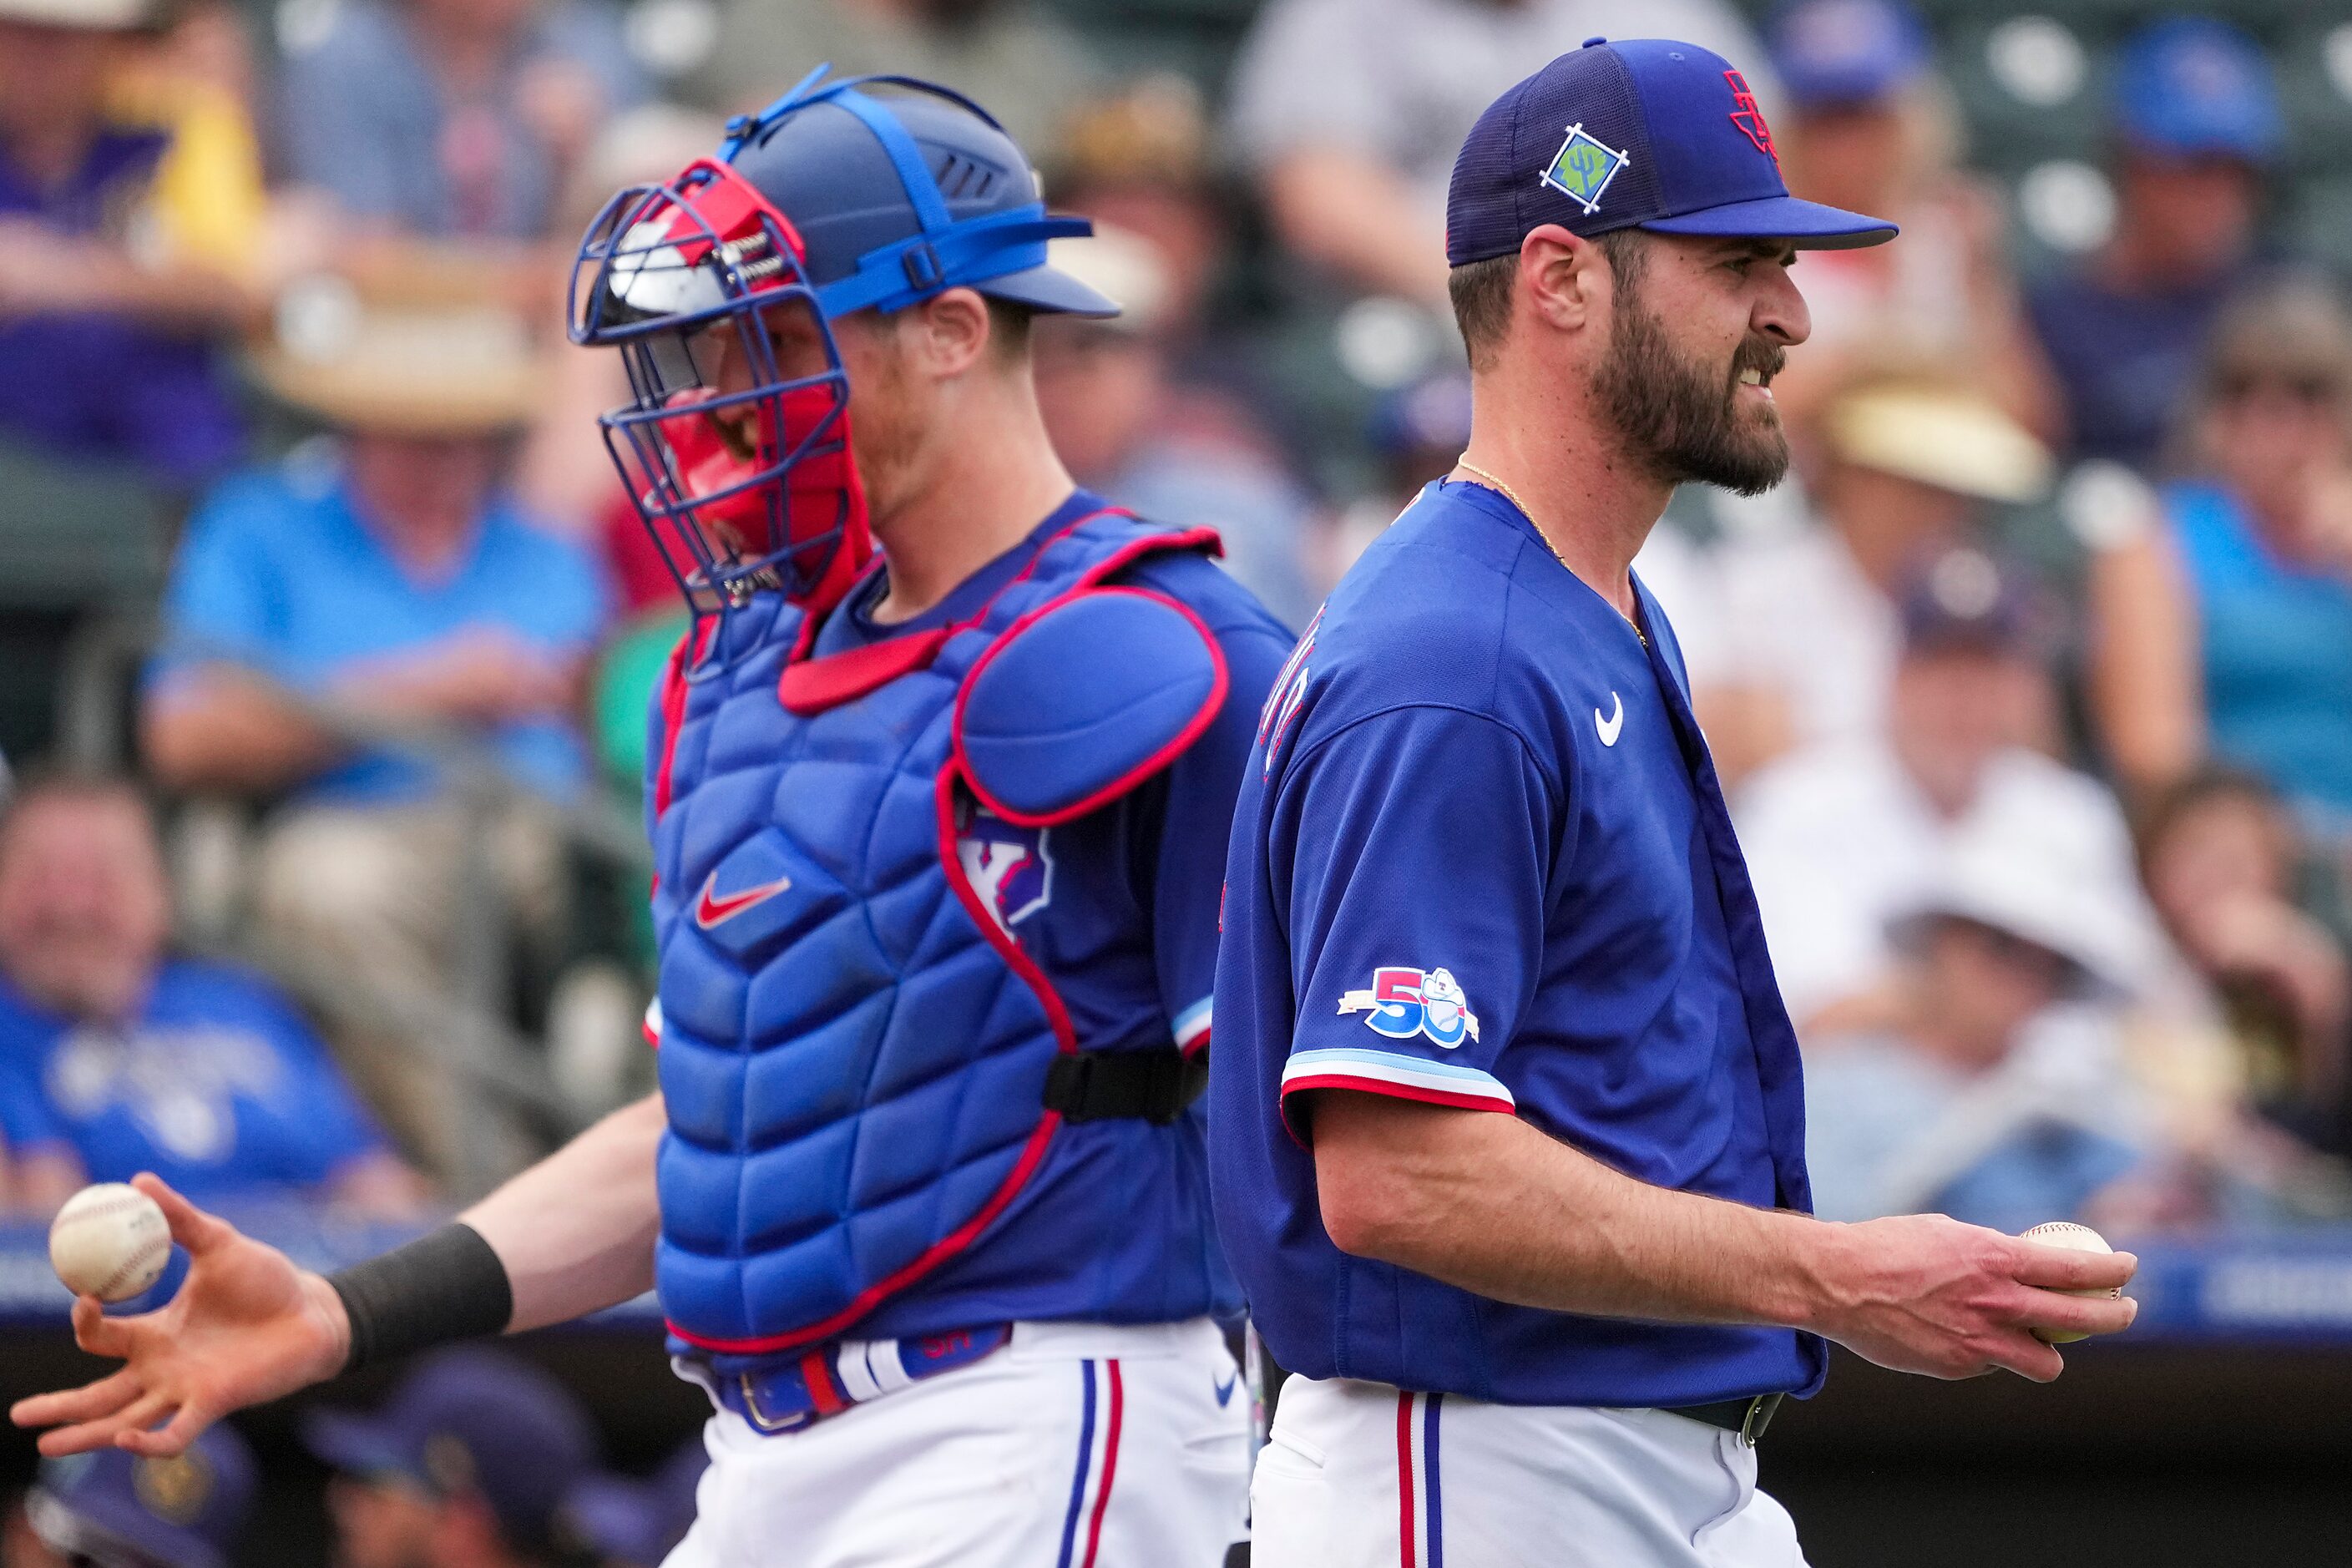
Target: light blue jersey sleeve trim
1193 1023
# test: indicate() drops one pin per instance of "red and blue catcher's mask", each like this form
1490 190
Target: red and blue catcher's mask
833 199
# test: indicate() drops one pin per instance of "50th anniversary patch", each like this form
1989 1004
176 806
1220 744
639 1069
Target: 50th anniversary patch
1582 168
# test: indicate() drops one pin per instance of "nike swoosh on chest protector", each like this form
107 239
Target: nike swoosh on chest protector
713 907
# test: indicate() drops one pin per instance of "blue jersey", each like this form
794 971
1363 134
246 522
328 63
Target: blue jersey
1480 860
219 1085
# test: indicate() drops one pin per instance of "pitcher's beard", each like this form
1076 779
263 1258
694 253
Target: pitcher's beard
1679 417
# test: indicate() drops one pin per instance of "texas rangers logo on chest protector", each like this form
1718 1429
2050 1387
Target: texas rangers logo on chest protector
1012 869
855 1044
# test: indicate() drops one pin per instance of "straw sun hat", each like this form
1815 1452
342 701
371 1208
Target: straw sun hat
411 370
91 15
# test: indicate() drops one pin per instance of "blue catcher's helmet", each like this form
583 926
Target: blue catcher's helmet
835 198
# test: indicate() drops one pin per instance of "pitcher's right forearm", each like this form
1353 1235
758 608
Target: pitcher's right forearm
576 1231
1492 1206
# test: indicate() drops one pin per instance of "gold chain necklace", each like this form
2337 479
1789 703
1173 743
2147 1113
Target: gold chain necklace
1481 477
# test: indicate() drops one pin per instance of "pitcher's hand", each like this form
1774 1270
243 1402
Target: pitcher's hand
245 1327
1928 1294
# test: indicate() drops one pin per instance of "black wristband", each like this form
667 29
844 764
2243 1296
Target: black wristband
440 1287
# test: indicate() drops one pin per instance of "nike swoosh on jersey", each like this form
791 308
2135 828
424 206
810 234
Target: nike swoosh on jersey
1225 1391
1608 728
711 907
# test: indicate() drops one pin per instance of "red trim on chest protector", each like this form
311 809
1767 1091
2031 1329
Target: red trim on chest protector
1134 775
690 647
811 686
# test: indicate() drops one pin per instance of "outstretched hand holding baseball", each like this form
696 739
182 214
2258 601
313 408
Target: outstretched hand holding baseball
245 1327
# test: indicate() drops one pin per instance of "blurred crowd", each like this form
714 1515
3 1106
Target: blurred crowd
477 1459
2032 690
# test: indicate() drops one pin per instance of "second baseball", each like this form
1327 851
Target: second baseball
110 1241
2082 1238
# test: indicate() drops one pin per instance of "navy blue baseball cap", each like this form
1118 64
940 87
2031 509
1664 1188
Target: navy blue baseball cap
115 1509
2190 85
1833 53
471 1421
1648 133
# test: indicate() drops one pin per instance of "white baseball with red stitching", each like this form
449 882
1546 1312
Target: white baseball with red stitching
110 1241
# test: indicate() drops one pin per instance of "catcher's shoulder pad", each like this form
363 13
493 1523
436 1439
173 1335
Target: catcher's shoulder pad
1083 701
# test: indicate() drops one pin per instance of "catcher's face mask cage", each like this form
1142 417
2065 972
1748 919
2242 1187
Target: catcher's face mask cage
740 468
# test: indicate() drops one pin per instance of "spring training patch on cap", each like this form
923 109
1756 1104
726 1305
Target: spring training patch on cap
1582 169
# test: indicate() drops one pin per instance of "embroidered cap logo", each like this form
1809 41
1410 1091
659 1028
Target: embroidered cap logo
1750 118
1582 168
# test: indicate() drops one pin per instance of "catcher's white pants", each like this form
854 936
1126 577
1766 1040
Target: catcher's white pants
1361 1474
1076 1446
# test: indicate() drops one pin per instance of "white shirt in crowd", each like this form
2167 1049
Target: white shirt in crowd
1800 618
1840 842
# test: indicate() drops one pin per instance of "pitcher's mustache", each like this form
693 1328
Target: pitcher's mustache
1765 358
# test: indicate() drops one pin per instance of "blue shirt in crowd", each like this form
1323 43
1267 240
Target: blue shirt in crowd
2278 651
278 572
364 119
217 1086
2123 361
1480 860
88 385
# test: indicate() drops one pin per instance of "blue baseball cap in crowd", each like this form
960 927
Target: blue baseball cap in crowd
640 1522
1833 54
471 1421
2189 86
127 1512
1649 133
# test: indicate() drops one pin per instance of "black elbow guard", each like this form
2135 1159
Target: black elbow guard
439 1288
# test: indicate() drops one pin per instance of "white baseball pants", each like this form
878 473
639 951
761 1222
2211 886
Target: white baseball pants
1076 1446
1361 1474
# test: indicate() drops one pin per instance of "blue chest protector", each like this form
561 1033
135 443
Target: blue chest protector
858 1058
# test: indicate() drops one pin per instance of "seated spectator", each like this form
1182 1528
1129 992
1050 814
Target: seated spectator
1871 127
129 204
389 588
109 1510
1107 393
1908 466
1417 433
1350 112
2221 858
1994 1089
470 1464
1012 55
426 142
2196 125
117 1058
637 1524
452 119
2264 529
1842 835
1139 160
